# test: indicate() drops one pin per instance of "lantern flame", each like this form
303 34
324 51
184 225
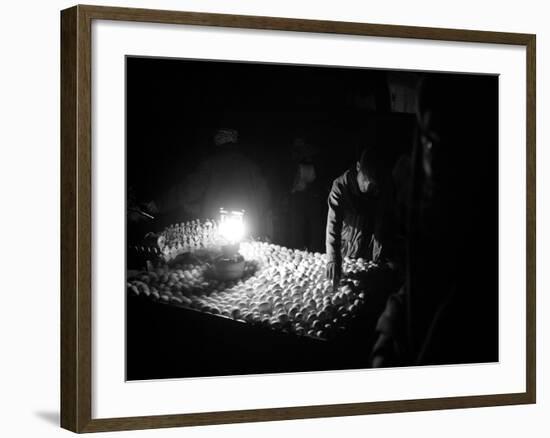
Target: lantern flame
232 225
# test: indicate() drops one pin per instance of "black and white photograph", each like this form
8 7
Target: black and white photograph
289 218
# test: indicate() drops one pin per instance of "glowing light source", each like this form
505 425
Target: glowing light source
232 225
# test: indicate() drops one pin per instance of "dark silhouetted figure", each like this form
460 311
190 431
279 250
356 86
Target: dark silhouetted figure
447 310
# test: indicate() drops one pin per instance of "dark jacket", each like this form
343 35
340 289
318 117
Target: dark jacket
360 225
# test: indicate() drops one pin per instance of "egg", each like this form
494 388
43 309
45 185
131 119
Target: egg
316 324
265 307
322 316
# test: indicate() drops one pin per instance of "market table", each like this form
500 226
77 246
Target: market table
281 315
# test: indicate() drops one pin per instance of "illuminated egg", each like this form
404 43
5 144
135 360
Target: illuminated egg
175 300
344 300
265 307
300 331
312 304
279 307
186 301
283 318
253 307
298 293
293 311
165 297
322 316
320 334
299 316
341 309
248 317
346 289
345 316
352 308
276 325
311 333
311 317
329 310
316 324
361 295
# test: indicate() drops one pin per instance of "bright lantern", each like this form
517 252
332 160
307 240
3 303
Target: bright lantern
231 225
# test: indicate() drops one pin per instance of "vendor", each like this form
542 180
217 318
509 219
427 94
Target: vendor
360 215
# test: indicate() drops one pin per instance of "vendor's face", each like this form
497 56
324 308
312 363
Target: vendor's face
366 184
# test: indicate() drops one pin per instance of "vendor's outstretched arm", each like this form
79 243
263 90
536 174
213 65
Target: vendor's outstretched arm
334 234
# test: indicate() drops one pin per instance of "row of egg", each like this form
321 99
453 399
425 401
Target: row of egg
188 237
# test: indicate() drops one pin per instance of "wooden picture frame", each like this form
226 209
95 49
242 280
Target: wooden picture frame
76 217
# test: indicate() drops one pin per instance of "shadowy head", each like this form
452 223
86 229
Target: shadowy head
370 169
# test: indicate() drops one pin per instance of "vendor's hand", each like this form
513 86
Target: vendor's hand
334 273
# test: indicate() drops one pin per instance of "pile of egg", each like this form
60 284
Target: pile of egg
187 237
283 289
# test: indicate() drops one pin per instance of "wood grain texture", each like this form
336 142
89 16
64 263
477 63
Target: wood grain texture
531 213
76 219
300 25
69 327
